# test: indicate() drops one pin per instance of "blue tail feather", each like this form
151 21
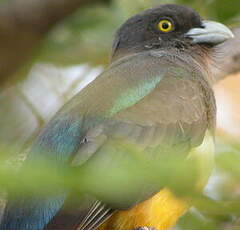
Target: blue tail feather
60 138
30 214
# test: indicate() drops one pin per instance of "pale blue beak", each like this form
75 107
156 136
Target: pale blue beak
211 33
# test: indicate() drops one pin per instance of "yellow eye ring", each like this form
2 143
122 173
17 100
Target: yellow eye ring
165 26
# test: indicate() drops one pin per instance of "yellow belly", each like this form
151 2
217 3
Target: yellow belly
161 212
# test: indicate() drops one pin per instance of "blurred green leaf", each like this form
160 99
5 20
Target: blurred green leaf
196 221
225 10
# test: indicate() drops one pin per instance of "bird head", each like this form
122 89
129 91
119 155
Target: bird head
167 26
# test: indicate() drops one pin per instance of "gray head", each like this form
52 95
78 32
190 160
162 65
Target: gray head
167 26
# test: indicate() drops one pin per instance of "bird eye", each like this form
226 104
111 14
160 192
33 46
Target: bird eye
165 26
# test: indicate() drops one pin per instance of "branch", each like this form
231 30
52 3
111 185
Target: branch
24 24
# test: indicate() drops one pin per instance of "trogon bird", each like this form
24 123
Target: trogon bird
156 94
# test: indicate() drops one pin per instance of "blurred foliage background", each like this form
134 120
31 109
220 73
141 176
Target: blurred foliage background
51 49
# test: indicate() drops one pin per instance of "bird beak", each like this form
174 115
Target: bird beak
211 33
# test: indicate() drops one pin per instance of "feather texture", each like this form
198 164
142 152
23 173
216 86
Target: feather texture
141 98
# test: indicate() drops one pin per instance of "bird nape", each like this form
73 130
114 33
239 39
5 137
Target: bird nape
156 95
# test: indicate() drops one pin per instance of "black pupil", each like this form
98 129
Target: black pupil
165 25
